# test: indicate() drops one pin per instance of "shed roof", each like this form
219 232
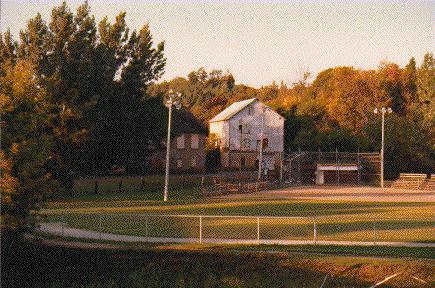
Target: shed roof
232 110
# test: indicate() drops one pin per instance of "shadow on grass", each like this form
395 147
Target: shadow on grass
55 266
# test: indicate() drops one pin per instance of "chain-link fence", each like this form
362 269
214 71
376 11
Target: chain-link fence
279 170
239 229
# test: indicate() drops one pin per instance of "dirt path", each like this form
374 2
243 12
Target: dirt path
369 194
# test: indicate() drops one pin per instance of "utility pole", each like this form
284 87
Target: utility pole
260 160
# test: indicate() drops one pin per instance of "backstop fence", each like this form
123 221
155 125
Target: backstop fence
333 168
346 230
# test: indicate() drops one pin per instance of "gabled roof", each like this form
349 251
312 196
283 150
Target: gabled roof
185 122
232 110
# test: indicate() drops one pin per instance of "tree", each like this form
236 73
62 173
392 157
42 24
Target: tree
426 93
92 74
26 147
391 88
8 49
408 146
409 79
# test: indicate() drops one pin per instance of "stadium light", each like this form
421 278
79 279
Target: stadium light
383 110
173 100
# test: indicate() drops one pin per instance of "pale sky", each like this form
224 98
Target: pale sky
264 41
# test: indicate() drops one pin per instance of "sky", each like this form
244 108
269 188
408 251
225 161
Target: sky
260 42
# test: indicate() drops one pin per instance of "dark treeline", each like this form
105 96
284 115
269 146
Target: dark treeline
73 100
78 96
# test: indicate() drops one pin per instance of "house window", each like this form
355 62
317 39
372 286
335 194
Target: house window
265 143
193 163
179 163
246 130
180 142
250 110
195 141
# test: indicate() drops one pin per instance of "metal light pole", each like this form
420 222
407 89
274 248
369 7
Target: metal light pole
383 110
260 160
169 103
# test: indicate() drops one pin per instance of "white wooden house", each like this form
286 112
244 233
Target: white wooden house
238 130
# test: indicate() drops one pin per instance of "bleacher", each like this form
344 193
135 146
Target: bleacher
410 181
223 185
429 184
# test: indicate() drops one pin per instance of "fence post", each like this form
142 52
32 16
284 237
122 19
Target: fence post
96 187
359 169
120 186
63 225
200 229
258 230
146 227
100 224
337 175
142 184
374 233
299 165
315 232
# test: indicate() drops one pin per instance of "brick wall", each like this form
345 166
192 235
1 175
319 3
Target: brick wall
188 159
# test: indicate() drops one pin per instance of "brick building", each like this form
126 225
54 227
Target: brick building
187 146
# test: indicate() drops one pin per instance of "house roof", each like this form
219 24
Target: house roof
184 122
232 110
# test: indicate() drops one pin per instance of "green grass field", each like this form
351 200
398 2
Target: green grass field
124 213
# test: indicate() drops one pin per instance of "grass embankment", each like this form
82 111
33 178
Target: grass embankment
56 266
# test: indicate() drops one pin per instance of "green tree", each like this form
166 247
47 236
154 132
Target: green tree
8 49
409 79
426 94
407 145
92 74
390 87
26 147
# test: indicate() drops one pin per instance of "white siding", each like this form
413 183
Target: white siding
252 126
251 120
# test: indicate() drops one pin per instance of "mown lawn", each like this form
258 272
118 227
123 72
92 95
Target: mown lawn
126 213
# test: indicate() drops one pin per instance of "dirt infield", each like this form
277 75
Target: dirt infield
368 194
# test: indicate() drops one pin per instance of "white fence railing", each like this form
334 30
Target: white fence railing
340 230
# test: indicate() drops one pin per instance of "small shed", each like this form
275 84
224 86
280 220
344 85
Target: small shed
329 173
